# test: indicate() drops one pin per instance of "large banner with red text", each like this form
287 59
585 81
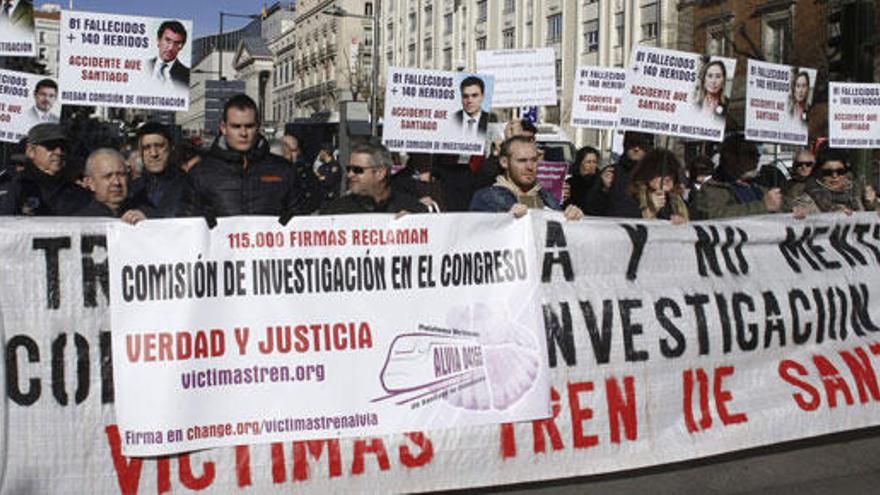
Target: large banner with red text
663 343
257 332
112 60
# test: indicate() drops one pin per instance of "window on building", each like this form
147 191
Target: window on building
776 37
368 8
429 49
429 15
389 57
508 38
447 23
447 59
529 34
717 40
481 43
650 21
42 37
618 27
482 10
591 36
554 28
509 6
413 23
411 55
42 54
558 72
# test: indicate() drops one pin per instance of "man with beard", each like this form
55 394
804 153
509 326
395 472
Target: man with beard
517 189
239 176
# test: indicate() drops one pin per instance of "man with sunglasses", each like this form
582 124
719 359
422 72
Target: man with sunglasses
369 185
41 188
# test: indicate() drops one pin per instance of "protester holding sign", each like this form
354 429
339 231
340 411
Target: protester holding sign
239 176
41 189
518 189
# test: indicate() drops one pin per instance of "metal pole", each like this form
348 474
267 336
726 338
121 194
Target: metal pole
220 53
374 97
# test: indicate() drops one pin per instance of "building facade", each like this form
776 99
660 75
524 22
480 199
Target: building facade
47 27
329 63
446 34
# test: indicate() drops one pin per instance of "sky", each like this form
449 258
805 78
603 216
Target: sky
203 13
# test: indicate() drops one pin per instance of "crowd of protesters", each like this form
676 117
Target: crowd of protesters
239 175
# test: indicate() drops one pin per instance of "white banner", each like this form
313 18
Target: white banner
26 100
523 77
598 93
853 113
17 35
430 111
664 343
114 60
677 93
219 335
778 101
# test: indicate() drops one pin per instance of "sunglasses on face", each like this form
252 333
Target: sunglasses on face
836 172
803 164
356 169
51 145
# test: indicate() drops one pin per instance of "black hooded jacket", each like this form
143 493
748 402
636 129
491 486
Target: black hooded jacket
229 182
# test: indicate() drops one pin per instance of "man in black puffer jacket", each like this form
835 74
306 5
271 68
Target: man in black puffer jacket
238 175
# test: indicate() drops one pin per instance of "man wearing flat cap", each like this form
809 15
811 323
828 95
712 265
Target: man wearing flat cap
41 189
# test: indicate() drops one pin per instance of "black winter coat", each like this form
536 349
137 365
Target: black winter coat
229 182
35 193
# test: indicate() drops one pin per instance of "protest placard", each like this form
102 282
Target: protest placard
778 101
17 34
677 93
218 335
25 100
431 111
523 77
665 344
116 60
853 113
598 93
551 176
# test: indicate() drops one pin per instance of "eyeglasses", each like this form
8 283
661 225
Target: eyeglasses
803 164
51 145
357 169
836 172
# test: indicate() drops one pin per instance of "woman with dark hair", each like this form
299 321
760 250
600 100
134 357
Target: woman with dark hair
587 186
831 188
654 186
797 99
710 90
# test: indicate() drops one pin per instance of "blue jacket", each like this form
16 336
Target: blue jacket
499 199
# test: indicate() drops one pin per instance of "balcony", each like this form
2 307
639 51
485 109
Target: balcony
315 91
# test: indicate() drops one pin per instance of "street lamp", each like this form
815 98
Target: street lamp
220 36
337 11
